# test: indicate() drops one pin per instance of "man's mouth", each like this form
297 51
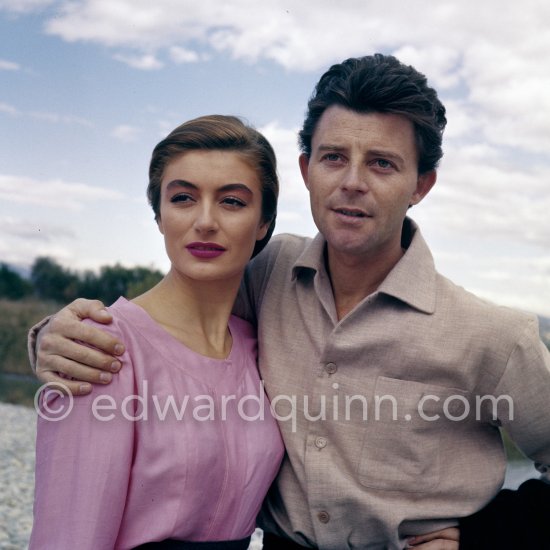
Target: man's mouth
353 212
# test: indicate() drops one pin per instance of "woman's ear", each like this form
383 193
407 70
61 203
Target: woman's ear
159 224
262 230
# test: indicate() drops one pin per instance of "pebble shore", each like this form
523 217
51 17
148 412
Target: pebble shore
17 436
17 442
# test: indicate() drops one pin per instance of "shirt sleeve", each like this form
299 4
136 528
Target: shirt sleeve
525 386
32 338
255 279
83 465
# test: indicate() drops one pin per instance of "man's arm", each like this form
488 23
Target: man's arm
60 345
525 385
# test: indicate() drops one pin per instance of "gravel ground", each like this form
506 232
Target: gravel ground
17 433
17 436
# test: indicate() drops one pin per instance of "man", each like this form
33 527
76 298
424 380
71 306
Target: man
390 382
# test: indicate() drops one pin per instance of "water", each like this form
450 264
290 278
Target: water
517 472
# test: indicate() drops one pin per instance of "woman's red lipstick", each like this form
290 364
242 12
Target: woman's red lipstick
205 250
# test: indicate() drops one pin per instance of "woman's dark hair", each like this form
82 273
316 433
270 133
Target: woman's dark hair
382 84
220 133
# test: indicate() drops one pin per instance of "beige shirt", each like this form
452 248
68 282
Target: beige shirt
386 414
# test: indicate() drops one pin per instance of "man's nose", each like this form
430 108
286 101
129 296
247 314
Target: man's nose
355 179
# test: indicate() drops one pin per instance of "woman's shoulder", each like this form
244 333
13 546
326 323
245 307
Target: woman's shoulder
242 327
123 313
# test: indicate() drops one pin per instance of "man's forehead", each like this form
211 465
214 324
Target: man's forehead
339 127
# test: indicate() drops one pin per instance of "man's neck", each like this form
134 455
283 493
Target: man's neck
354 278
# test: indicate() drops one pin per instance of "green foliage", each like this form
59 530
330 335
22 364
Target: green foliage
51 281
18 391
12 285
53 286
16 318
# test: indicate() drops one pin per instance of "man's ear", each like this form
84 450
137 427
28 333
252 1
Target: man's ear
424 184
303 161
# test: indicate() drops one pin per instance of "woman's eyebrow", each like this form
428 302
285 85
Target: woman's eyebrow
235 187
180 183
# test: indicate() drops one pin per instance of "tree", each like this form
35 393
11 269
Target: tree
12 285
53 282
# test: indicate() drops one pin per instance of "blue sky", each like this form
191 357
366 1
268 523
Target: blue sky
88 87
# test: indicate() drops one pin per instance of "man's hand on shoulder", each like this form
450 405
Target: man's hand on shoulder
63 348
445 539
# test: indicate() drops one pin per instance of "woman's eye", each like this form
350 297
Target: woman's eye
233 201
181 198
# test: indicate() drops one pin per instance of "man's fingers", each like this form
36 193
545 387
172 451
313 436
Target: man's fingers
438 544
450 533
73 369
92 309
73 387
444 539
63 326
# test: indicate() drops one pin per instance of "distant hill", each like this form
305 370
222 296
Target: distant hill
544 323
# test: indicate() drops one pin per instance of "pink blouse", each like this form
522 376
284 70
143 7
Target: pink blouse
177 446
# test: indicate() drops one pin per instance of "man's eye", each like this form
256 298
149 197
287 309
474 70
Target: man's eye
383 163
332 157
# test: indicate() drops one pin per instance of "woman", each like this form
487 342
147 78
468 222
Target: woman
180 450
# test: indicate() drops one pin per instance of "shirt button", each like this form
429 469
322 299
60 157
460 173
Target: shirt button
323 516
320 442
331 368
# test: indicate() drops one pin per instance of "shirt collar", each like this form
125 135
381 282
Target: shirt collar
412 280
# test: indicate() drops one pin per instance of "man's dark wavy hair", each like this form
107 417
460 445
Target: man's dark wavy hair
381 84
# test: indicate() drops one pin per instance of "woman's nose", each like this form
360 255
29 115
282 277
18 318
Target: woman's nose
206 219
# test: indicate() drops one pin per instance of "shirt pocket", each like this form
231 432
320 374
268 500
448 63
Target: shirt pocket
402 443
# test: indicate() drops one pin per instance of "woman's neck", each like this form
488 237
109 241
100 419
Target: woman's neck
195 312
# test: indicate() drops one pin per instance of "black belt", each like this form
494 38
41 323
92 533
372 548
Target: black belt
273 542
171 544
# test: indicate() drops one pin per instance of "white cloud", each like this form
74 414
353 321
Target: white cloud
126 133
8 109
8 65
146 62
50 117
293 211
483 193
51 193
58 118
25 240
497 56
183 55
24 6
39 231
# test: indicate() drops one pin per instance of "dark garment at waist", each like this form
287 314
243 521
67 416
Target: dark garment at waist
183 545
273 542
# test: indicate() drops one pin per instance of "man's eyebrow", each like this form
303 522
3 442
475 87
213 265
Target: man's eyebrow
330 147
386 154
